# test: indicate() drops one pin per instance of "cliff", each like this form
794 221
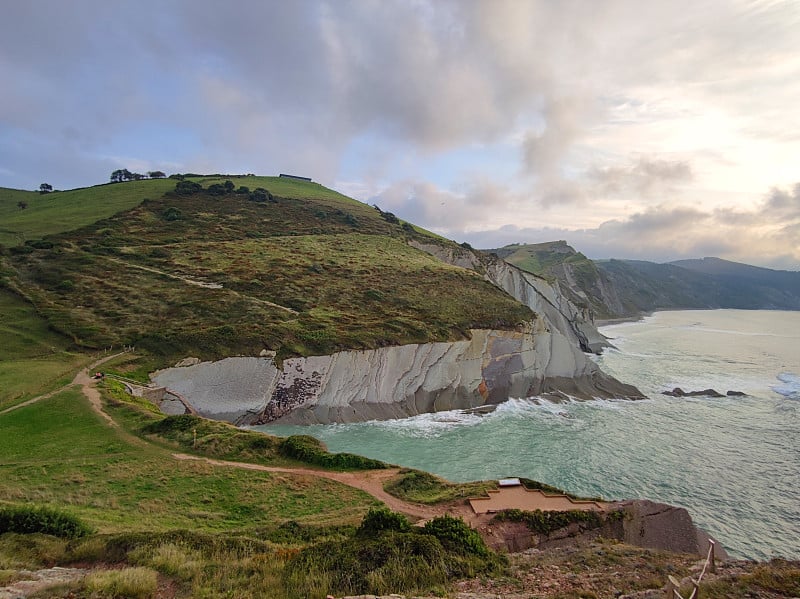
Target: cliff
542 357
572 319
394 382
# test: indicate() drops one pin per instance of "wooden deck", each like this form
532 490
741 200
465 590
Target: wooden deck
518 497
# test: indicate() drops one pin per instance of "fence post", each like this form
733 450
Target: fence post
712 557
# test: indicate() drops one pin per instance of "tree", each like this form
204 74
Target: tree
187 188
156 174
45 188
118 176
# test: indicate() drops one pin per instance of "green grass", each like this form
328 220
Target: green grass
57 452
423 487
68 210
33 358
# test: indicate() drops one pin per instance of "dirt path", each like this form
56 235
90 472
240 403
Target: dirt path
370 481
83 378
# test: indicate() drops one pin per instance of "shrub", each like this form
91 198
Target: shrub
456 535
243 190
546 522
311 451
216 189
381 520
261 195
171 214
186 188
27 520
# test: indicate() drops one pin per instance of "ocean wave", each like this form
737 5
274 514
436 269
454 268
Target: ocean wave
428 425
790 385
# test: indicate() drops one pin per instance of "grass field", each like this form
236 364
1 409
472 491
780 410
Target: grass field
57 452
60 211
33 359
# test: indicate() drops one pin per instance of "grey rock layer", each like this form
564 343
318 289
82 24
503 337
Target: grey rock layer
394 382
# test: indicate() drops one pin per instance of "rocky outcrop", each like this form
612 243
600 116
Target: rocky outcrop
394 382
678 392
543 297
576 324
639 522
661 526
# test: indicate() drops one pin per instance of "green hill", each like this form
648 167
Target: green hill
624 288
295 268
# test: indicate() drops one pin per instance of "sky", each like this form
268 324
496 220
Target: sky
655 130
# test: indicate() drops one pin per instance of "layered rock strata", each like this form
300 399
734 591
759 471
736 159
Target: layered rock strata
541 296
543 358
394 382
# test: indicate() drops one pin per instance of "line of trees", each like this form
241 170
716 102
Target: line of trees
123 174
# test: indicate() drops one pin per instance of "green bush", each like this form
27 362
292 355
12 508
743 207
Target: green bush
186 188
171 214
381 520
456 535
27 520
392 563
546 522
305 448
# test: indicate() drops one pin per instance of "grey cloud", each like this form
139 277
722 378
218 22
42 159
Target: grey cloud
643 178
427 205
768 235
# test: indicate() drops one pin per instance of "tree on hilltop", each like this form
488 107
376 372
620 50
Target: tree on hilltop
156 174
120 175
45 188
123 174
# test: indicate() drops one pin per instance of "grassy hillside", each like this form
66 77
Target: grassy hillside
301 270
33 358
622 288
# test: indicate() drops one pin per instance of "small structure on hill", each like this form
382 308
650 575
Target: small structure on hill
285 176
512 494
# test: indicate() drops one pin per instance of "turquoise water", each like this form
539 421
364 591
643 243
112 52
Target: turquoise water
734 463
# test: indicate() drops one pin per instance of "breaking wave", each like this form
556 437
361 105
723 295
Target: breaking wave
790 385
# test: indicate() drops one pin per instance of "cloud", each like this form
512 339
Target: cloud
642 178
768 235
464 112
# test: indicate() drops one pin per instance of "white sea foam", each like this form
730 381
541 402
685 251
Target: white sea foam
790 385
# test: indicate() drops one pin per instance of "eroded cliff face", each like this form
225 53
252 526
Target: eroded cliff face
544 298
394 382
576 324
544 357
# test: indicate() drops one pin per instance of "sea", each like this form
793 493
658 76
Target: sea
733 462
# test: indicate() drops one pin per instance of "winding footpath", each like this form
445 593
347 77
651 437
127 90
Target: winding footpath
370 481
84 379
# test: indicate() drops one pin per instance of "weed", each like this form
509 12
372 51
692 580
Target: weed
135 583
